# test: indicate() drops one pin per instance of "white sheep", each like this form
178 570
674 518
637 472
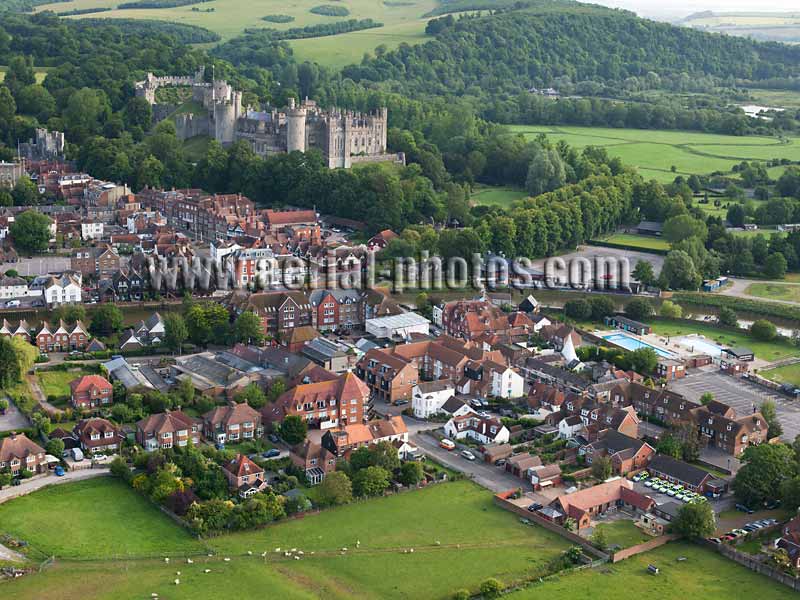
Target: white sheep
177 581
189 561
249 553
226 559
207 571
166 560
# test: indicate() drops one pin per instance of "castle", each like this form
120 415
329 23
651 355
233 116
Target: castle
344 137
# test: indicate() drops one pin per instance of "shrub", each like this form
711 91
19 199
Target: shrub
763 330
328 10
491 588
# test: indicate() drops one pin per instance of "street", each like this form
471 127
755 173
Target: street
741 395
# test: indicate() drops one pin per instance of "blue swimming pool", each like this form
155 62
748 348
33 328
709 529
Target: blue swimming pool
630 343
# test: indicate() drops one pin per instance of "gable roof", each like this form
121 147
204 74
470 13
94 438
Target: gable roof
679 469
241 465
85 383
18 446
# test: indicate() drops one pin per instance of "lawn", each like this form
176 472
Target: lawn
643 242
623 533
56 383
656 152
774 291
769 351
787 374
94 519
402 23
497 195
704 575
458 536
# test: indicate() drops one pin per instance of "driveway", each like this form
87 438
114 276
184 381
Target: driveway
485 474
742 395
13 419
31 485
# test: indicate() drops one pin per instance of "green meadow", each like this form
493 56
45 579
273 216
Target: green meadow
403 22
656 152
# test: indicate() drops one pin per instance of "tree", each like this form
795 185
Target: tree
763 330
736 214
36 101
764 469
55 447
5 479
31 232
670 310
175 332
25 192
107 319
410 473
684 226
26 354
706 398
602 306
206 321
253 395
371 481
360 458
775 266
695 520
578 309
335 489
384 455
679 271
546 172
293 430
643 272
644 360
669 445
10 372
599 538
639 309
602 468
775 429
727 317
790 492
491 588
248 328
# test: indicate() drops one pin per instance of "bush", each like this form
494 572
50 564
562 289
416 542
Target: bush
328 10
763 330
491 588
278 18
639 309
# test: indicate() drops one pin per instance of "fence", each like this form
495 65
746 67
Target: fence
501 501
756 565
643 547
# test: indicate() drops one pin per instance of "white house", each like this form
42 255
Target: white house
507 383
13 287
402 326
569 427
539 321
58 289
437 313
91 230
478 428
428 397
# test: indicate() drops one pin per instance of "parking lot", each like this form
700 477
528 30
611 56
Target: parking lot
742 395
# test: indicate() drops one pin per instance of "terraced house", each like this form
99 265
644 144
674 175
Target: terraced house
62 338
279 311
232 423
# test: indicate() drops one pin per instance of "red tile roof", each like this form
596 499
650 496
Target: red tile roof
85 383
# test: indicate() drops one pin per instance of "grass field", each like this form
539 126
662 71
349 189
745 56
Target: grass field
644 242
703 574
459 539
231 17
770 351
776 98
623 533
787 374
774 291
93 519
56 383
656 152
497 196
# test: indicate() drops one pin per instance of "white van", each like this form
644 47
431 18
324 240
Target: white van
77 455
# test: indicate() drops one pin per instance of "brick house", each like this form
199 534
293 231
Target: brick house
231 423
18 452
244 475
587 504
343 441
389 377
168 429
98 435
279 311
315 460
21 330
90 391
626 453
337 309
99 261
62 338
327 403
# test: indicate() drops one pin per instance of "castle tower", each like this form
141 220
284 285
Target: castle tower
295 127
224 122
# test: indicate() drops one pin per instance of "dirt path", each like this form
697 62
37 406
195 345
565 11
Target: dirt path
8 555
39 396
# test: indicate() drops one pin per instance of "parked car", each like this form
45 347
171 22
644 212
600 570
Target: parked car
99 457
59 471
12 303
271 453
534 507
500 462
273 438
401 403
744 509
447 444
468 455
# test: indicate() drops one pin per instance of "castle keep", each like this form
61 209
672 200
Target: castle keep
344 137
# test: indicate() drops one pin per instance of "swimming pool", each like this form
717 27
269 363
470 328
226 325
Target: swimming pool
629 343
699 345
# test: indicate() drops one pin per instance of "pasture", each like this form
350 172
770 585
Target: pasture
656 152
402 23
93 523
501 196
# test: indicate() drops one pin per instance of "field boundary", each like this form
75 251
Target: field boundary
643 547
633 248
746 560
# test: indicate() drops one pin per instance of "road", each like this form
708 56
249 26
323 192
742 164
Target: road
485 474
741 395
738 287
31 485
13 420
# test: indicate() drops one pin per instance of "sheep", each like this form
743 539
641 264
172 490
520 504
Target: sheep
177 582
226 559
189 561
207 571
166 560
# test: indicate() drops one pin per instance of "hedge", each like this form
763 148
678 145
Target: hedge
604 244
758 307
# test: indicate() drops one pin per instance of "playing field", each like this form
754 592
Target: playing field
774 291
402 21
701 573
656 152
497 195
458 537
644 242
787 374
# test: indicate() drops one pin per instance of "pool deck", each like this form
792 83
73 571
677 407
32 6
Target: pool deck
659 343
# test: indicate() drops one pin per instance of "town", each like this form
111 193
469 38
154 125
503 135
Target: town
452 300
